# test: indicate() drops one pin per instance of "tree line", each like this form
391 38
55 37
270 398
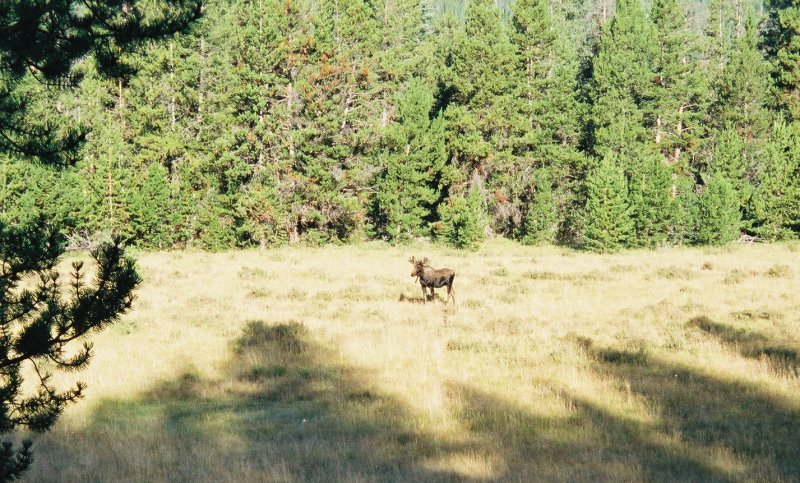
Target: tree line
590 123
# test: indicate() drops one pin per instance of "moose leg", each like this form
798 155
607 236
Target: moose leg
424 294
450 293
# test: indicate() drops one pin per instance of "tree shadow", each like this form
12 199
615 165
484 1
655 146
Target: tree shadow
781 356
591 444
757 428
284 409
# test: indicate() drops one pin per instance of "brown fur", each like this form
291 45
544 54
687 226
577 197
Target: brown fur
433 278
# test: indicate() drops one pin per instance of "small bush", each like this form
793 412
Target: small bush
287 336
779 271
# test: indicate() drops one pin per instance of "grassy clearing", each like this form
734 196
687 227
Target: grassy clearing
324 365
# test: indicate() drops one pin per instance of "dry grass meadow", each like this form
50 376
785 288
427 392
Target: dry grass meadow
303 364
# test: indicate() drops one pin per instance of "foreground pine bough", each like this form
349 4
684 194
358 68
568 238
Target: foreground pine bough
433 278
40 321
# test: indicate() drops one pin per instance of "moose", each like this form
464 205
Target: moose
433 278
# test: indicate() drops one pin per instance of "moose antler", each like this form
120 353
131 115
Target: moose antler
425 261
412 260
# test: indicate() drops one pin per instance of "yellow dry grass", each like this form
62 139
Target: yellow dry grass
303 364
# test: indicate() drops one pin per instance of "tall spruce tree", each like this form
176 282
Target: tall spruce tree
621 76
718 216
413 159
651 198
679 94
782 44
480 115
608 225
549 128
744 87
775 206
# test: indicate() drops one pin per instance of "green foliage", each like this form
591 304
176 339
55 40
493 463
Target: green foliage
39 317
463 220
541 220
621 80
686 209
39 322
679 93
323 122
776 200
652 206
149 220
414 157
783 44
607 214
14 462
718 213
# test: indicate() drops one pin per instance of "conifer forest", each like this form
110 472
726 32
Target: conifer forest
597 124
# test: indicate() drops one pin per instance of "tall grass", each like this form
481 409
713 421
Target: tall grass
323 365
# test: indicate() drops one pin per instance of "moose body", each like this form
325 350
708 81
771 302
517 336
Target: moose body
433 278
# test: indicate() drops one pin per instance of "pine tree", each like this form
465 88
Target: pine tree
621 79
686 211
782 43
463 220
607 214
775 205
542 217
652 207
414 157
549 129
744 87
729 160
152 219
718 213
44 41
481 114
718 32
679 93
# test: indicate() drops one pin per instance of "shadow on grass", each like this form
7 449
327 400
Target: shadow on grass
419 300
782 356
591 444
284 409
756 429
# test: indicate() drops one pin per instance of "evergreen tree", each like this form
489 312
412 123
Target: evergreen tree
621 79
718 32
776 199
43 41
652 208
782 43
414 157
463 220
678 94
728 160
607 214
718 214
481 114
744 87
686 210
621 75
549 129
152 220
541 220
